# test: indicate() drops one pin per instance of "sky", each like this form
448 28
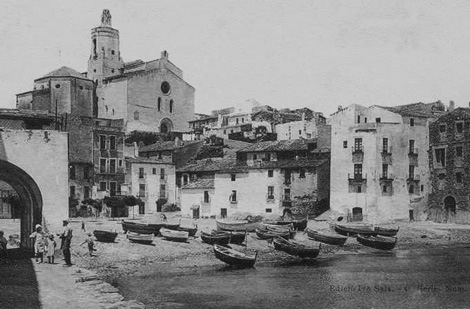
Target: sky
291 53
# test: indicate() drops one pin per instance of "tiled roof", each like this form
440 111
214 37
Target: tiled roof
200 184
222 165
284 145
424 110
64 71
24 113
144 160
162 146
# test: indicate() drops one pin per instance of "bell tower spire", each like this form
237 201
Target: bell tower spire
105 58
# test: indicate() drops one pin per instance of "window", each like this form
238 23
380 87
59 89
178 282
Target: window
159 155
270 173
233 196
86 172
86 192
102 166
141 172
185 179
442 128
384 189
243 120
72 172
378 120
120 163
385 145
412 122
102 142
236 120
225 131
102 186
300 132
385 171
269 210
358 144
440 156
142 190
359 189
255 157
365 119
287 194
233 177
270 193
112 166
459 127
412 146
165 88
358 118
171 106
112 52
162 173
345 144
459 151
163 191
357 171
422 188
458 177
268 157
154 171
159 104
411 171
206 197
57 86
302 173
412 189
112 142
136 115
112 188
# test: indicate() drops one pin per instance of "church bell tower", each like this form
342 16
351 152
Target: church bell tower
105 57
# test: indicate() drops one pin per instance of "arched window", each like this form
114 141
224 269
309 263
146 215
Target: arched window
159 103
171 106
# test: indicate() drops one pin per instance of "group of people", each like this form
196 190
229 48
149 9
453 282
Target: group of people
44 244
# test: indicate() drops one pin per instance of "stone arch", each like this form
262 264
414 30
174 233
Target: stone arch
30 199
450 204
166 125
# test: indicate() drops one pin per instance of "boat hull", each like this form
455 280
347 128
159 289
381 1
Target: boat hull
146 239
326 238
296 249
215 239
140 228
267 234
377 242
386 231
233 257
237 226
355 230
104 236
179 236
191 230
298 225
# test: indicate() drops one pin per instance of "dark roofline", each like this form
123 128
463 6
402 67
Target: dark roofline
60 76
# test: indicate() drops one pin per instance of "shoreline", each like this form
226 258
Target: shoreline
115 261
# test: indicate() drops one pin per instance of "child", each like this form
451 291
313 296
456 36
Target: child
91 244
39 243
51 244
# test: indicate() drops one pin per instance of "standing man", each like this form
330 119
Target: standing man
66 238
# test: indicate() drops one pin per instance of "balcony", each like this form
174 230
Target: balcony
164 195
387 151
357 154
270 198
413 178
357 179
387 177
413 152
205 201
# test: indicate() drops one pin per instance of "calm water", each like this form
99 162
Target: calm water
371 279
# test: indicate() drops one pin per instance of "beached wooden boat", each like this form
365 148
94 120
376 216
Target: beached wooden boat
181 236
241 225
140 238
326 237
281 228
354 229
383 231
377 242
139 227
237 237
294 248
216 238
234 257
298 225
191 230
104 236
171 226
264 233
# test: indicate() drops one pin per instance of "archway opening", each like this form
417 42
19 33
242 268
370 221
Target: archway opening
28 206
166 126
357 214
450 204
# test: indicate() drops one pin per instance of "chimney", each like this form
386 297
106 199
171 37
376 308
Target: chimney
164 54
136 150
451 105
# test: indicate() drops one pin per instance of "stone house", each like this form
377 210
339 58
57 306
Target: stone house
264 179
449 163
379 160
152 181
